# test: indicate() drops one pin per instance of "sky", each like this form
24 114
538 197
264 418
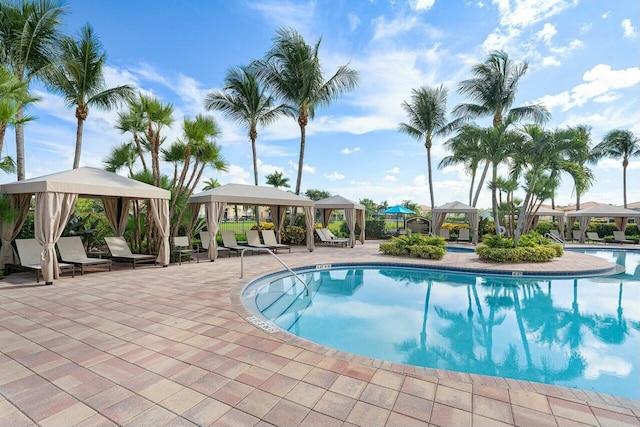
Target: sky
584 66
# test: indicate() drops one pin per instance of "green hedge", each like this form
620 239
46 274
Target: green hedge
519 254
415 246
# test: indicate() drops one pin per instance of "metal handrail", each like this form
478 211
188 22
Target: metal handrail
306 287
554 237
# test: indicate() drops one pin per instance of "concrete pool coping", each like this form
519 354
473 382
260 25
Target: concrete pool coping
173 346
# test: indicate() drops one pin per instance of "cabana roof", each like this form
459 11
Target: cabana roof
86 181
242 194
455 207
338 202
605 211
544 211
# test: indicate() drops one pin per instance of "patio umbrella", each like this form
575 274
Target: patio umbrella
398 210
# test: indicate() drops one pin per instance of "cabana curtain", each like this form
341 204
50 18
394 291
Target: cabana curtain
309 221
361 220
214 213
53 211
471 213
350 216
116 209
160 212
278 214
354 213
10 229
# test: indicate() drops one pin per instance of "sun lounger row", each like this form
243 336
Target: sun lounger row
327 237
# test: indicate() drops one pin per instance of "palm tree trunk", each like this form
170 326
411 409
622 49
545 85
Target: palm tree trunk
303 140
20 144
624 184
577 200
480 184
428 145
76 159
255 160
3 130
473 180
140 152
494 200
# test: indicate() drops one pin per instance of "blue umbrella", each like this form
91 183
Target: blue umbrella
398 210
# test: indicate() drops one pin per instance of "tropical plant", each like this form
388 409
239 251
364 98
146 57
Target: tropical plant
316 194
292 71
277 180
210 184
619 144
79 78
122 156
29 34
13 96
427 112
243 100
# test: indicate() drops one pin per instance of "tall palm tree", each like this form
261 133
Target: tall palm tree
580 153
79 78
492 91
466 148
619 144
245 101
14 95
211 183
292 71
277 180
427 112
29 31
123 156
129 121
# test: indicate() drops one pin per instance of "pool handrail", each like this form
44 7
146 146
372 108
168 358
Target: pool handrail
306 287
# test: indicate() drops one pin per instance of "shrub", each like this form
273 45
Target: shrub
542 253
497 241
632 230
294 235
375 229
454 228
416 246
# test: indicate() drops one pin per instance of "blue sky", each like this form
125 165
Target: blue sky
583 59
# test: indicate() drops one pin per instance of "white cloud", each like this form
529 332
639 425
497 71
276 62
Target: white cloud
335 176
606 14
294 14
601 80
354 21
305 167
563 50
383 29
586 27
349 150
523 13
630 32
265 169
547 33
421 5
390 178
394 170
550 61
236 175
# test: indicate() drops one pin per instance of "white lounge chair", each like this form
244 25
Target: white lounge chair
29 252
269 237
325 238
229 241
120 251
253 240
576 234
444 233
205 240
593 237
72 251
463 235
181 246
619 237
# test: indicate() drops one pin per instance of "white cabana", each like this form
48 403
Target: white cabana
216 200
440 212
354 213
56 195
544 211
620 217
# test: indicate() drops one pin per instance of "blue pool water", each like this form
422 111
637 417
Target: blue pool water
582 333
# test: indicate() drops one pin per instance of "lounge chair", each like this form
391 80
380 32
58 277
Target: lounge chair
205 240
326 237
619 237
253 240
444 233
181 246
576 234
72 251
120 251
463 235
593 237
229 241
29 252
269 237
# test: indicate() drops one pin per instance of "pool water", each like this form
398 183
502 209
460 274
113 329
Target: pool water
582 333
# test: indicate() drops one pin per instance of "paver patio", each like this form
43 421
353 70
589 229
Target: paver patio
171 346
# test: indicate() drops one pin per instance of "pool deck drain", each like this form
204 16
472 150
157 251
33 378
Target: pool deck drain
174 346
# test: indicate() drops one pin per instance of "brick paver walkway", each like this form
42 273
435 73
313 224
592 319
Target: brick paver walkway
171 346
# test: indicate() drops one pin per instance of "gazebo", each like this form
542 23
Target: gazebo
56 196
216 200
440 212
544 211
620 217
354 213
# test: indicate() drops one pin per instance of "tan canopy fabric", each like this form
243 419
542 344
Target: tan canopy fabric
53 212
241 194
353 212
544 211
440 212
10 228
619 215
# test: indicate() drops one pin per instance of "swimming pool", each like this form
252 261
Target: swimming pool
582 333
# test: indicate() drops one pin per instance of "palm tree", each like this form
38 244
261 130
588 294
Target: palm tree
211 183
427 113
131 122
467 149
28 46
13 96
123 156
79 79
292 70
619 144
277 180
243 100
579 152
